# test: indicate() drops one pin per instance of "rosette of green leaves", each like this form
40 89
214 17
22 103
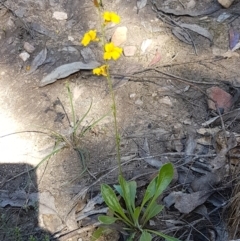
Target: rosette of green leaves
135 218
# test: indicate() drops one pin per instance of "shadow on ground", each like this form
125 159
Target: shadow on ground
20 204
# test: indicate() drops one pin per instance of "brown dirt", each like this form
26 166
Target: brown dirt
153 105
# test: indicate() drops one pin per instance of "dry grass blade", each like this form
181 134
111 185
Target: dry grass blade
234 218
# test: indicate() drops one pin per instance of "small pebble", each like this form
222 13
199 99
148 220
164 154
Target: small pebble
132 96
129 51
28 47
139 102
222 99
166 100
226 3
119 36
24 56
70 38
145 44
60 15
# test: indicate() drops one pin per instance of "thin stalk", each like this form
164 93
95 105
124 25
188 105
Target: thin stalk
72 107
114 111
114 108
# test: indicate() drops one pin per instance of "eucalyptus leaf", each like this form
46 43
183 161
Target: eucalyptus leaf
141 4
145 236
38 60
198 29
66 70
107 219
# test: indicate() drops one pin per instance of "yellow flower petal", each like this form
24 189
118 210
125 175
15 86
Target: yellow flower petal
111 17
107 17
91 35
115 18
111 52
115 55
86 40
109 47
107 56
96 71
102 70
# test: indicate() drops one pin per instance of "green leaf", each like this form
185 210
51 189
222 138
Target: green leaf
112 202
145 236
83 117
136 214
133 191
167 238
110 199
164 178
131 237
97 233
149 193
129 190
107 219
155 209
119 190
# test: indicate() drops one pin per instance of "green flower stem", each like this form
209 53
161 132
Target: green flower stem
114 108
114 111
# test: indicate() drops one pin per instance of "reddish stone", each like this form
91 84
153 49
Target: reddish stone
222 99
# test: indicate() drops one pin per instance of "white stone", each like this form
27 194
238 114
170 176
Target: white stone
119 36
132 96
60 15
70 49
139 102
145 44
226 3
70 38
24 56
166 100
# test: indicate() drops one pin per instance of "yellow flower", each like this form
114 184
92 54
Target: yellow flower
91 35
111 17
102 70
111 51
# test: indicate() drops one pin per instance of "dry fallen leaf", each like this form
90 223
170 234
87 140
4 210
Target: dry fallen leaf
156 58
186 203
141 4
38 60
65 70
198 29
144 153
182 35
